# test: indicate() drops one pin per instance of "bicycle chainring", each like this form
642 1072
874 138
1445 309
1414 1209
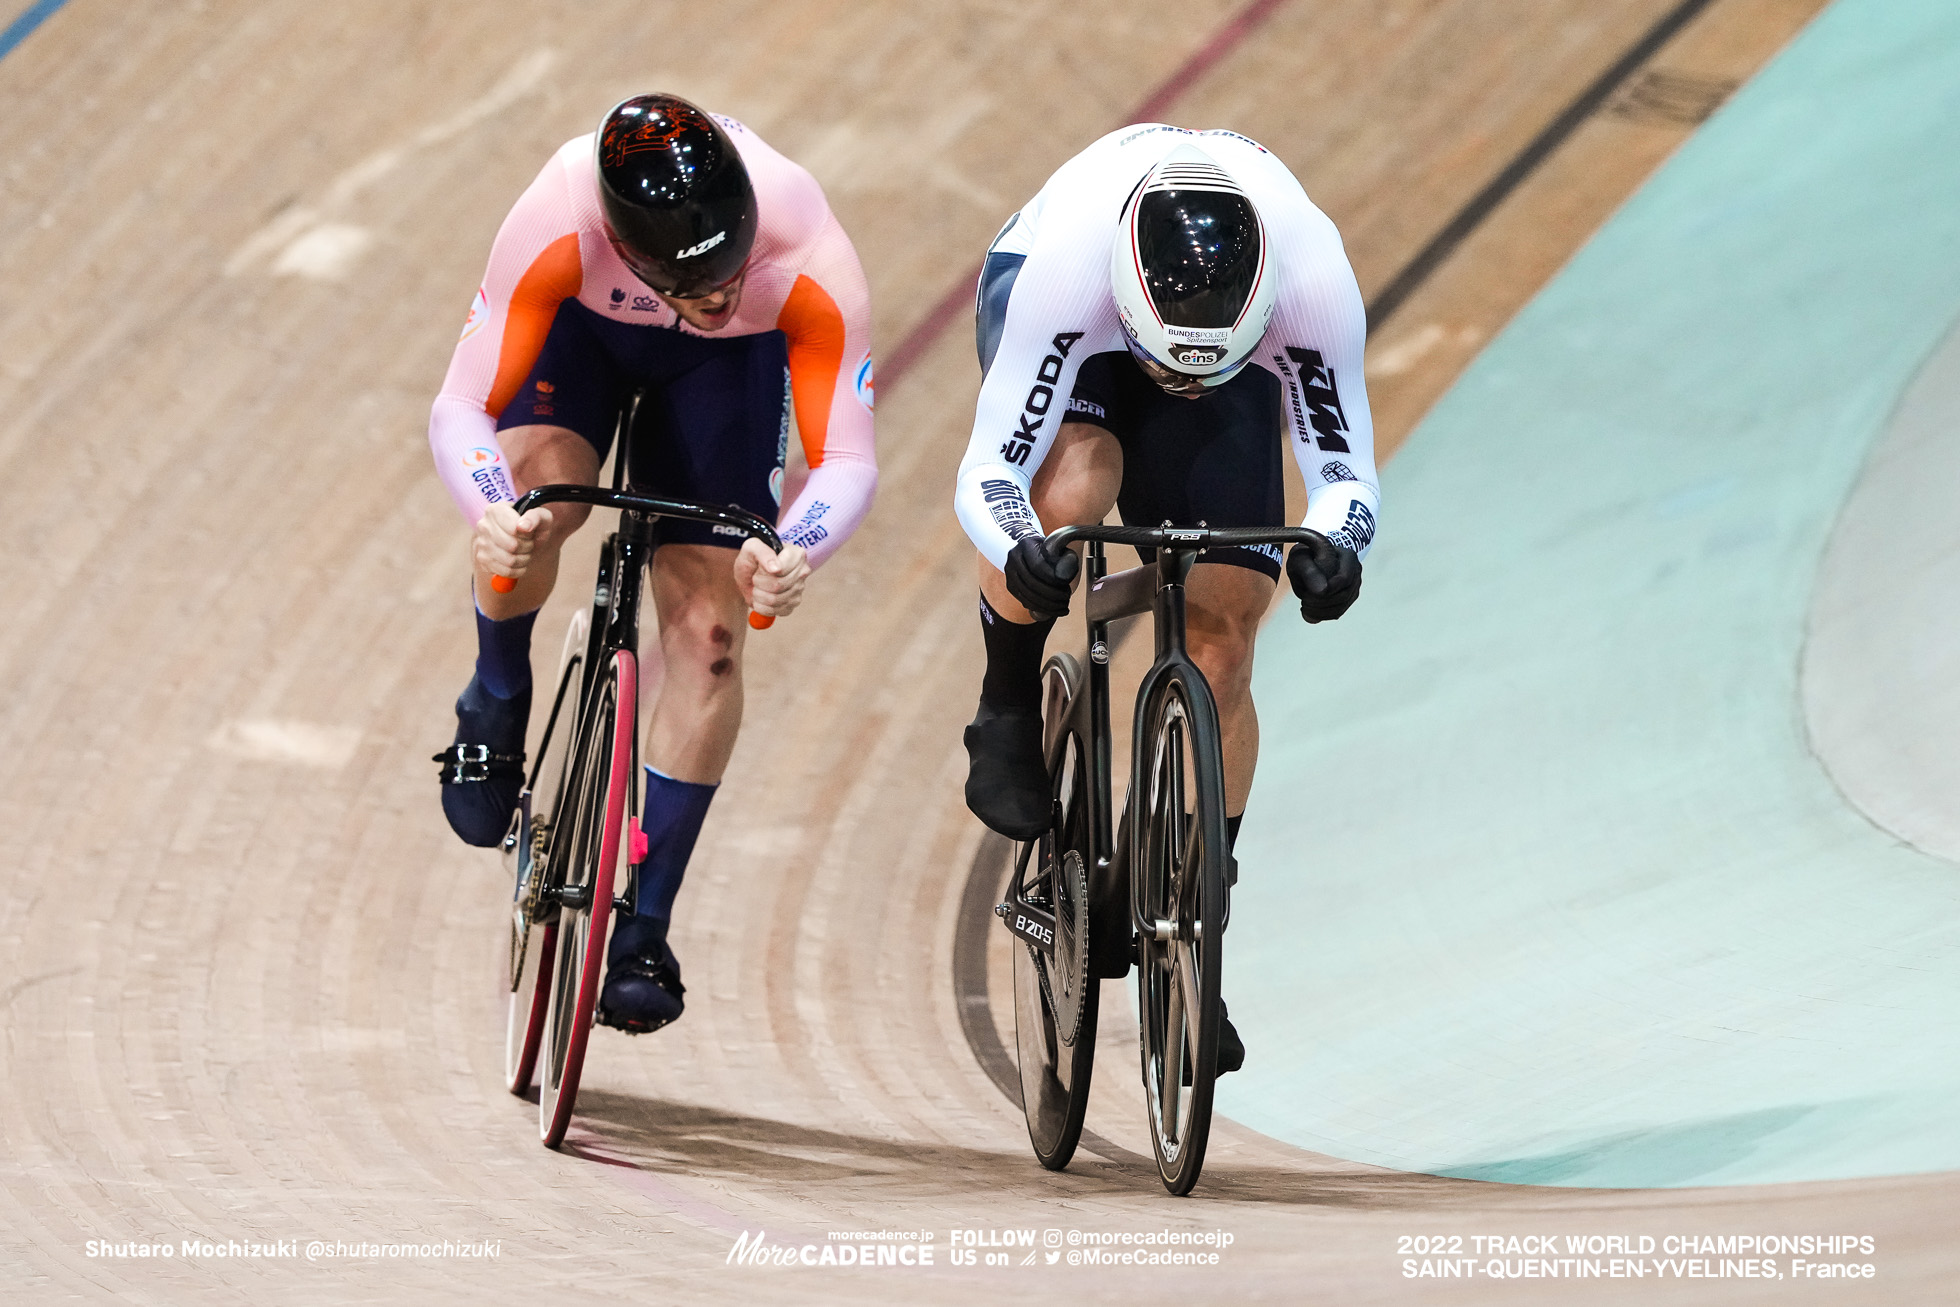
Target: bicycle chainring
1067 972
528 873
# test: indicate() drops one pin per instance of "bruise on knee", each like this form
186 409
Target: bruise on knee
721 667
720 637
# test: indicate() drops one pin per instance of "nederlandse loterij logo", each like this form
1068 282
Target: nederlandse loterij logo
481 456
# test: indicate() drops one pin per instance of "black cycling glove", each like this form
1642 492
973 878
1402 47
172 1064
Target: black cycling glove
1326 577
1038 580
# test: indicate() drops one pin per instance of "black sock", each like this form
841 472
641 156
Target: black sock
1013 679
1232 831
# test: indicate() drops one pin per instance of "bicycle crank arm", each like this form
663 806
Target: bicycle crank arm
1029 923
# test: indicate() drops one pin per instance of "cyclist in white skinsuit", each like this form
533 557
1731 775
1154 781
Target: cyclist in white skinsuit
1153 325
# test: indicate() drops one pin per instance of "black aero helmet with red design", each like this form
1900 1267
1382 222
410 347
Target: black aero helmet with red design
676 195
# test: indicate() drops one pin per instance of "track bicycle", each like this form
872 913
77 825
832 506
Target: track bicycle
581 800
1093 894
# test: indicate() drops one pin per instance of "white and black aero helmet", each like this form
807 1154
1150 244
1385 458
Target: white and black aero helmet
1192 273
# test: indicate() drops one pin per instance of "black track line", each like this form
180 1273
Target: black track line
1471 216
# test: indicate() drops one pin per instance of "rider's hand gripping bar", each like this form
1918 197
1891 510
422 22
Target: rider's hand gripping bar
747 523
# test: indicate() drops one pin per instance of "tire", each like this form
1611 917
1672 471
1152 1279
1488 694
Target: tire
534 932
1180 885
1055 998
596 804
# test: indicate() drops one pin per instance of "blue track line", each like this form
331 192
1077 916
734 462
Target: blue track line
23 27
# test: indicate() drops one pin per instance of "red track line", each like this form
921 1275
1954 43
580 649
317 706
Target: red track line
926 332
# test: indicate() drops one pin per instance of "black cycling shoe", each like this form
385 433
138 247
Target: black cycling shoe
643 978
1007 778
1231 1049
483 771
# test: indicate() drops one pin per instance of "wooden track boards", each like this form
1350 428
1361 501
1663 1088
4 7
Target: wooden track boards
248 991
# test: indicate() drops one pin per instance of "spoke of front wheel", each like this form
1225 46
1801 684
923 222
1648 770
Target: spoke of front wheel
1188 859
1170 1053
1174 799
1186 968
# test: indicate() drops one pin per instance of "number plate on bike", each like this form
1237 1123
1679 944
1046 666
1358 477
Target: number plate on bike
1030 923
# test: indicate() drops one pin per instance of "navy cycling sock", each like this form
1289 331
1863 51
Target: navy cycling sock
1013 679
672 821
503 653
1232 831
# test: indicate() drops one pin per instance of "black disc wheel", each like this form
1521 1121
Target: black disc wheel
1054 992
1180 896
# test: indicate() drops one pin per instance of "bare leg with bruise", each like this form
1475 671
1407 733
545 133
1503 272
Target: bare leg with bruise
696 717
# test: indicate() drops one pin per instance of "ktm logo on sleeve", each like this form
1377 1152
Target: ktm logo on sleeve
1317 400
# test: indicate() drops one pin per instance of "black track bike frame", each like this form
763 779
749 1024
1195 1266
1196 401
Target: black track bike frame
1159 589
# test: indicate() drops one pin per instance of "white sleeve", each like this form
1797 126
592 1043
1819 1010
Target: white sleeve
1315 347
1060 312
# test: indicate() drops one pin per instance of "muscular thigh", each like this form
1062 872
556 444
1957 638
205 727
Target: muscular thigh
1224 605
542 455
699 603
1077 482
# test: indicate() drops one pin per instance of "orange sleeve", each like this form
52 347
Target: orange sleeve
816 359
553 277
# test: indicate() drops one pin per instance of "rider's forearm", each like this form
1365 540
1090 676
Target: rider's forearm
991 500
831 504
470 461
1346 513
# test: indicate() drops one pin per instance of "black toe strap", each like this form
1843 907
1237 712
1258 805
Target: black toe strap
477 762
658 970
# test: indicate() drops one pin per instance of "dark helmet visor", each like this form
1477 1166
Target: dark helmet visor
1200 255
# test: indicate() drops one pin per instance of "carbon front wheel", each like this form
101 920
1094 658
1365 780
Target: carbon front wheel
595 805
1055 993
1180 896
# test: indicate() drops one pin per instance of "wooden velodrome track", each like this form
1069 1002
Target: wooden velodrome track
248 979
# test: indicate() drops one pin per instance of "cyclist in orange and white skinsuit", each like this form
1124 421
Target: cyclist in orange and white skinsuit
679 256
